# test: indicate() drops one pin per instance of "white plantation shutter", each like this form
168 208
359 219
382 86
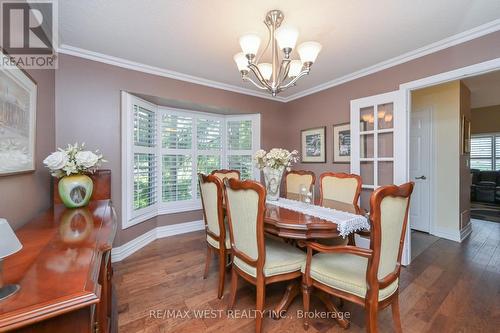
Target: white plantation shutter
497 152
144 158
243 140
177 173
164 149
482 152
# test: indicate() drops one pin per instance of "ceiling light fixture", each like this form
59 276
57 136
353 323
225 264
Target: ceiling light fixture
278 75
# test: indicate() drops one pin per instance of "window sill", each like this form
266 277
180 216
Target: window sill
164 209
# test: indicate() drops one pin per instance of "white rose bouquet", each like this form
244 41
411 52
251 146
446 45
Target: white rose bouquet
275 158
73 160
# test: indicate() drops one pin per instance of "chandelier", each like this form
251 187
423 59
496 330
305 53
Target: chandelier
278 75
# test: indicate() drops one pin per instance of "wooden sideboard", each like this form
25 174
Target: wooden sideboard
64 270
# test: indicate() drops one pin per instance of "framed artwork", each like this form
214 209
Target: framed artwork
18 96
342 143
465 135
313 143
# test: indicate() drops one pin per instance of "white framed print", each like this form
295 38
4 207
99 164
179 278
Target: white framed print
342 143
313 142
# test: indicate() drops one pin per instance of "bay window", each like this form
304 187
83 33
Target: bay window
163 150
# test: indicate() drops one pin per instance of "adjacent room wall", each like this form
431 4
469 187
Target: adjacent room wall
24 195
486 120
88 110
445 100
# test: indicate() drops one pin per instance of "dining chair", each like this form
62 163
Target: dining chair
294 179
341 187
226 173
367 277
211 192
256 259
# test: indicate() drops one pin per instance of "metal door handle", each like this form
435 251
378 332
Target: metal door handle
421 177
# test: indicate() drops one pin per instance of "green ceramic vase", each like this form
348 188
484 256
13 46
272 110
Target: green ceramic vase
75 191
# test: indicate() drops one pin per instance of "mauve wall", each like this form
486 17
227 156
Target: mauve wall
25 195
332 106
88 109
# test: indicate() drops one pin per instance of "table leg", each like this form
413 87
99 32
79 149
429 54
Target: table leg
327 301
292 291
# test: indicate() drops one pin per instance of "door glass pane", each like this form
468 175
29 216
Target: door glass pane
366 146
365 199
385 116
385 173
366 119
367 173
385 145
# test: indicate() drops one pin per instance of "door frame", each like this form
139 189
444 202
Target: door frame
405 90
432 167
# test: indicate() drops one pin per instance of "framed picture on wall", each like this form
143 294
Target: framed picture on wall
465 135
342 143
313 143
18 96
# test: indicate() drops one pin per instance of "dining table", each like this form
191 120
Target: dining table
293 225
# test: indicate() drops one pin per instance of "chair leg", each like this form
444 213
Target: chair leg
207 262
222 273
261 296
395 314
234 287
306 297
371 318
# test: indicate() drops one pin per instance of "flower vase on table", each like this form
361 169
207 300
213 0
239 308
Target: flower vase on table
272 180
72 166
273 164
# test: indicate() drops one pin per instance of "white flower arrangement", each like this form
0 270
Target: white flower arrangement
73 161
276 158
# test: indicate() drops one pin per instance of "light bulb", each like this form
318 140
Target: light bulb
241 61
266 69
308 52
295 68
286 37
388 118
381 114
250 44
365 117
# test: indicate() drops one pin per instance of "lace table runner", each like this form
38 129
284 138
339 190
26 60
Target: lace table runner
346 222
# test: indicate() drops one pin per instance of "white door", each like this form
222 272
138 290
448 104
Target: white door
379 145
420 156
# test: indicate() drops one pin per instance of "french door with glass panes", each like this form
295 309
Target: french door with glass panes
379 144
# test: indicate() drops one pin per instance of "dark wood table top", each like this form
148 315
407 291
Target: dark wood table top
288 223
58 265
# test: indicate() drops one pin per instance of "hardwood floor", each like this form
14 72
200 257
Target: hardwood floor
450 287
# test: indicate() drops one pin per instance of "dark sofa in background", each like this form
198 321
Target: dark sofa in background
485 186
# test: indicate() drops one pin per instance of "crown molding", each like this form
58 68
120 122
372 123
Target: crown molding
459 38
136 66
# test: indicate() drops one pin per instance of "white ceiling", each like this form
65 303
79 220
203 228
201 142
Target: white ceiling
200 37
485 89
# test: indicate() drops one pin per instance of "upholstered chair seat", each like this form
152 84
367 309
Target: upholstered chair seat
281 258
345 272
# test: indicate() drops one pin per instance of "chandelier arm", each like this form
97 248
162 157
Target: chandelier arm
291 83
267 45
255 70
260 86
284 68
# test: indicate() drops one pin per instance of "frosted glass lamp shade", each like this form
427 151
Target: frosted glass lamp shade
266 69
241 61
308 51
8 240
250 44
295 68
286 37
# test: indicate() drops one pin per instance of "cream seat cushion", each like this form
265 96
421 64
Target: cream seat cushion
215 243
281 258
345 272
